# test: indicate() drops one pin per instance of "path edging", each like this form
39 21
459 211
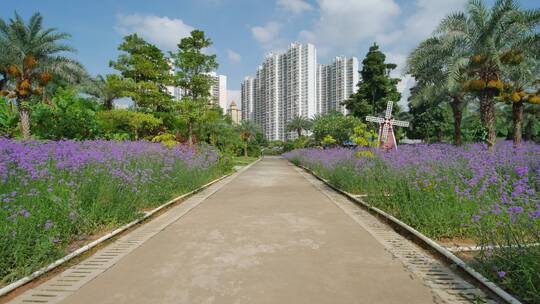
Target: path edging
426 240
147 215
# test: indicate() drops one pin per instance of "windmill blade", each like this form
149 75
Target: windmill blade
400 123
389 107
375 119
384 136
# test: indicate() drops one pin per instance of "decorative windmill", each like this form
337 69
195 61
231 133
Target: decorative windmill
387 140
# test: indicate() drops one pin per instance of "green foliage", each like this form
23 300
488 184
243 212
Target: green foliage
69 116
485 42
364 137
299 124
339 127
247 130
8 118
328 140
30 57
106 89
126 124
167 139
192 66
376 87
431 117
146 73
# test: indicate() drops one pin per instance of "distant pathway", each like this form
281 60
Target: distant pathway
267 235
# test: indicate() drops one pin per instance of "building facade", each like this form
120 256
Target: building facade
234 112
218 90
247 98
336 82
291 84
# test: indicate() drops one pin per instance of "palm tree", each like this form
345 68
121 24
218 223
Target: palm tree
30 58
248 130
521 87
432 64
484 37
299 124
530 118
106 89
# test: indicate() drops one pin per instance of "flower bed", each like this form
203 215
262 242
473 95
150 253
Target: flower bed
56 192
449 192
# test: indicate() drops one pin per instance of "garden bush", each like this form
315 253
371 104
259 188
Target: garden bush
55 192
450 192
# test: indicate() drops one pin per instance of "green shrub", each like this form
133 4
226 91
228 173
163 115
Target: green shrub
8 118
128 124
69 116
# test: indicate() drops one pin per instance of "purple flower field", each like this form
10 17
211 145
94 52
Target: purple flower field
450 192
56 192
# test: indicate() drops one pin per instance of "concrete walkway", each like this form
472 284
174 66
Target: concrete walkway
268 236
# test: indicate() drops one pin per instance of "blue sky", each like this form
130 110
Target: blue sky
243 31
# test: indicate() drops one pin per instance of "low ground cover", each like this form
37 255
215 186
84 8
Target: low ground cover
453 192
53 193
243 160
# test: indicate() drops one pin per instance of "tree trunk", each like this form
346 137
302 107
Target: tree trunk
458 116
487 115
299 131
108 104
528 131
25 122
517 119
245 149
190 134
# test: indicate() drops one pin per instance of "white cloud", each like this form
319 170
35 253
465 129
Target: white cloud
162 31
344 24
404 87
233 95
294 6
234 57
421 24
267 35
396 58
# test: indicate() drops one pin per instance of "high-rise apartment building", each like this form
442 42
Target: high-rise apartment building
218 90
247 98
336 83
291 84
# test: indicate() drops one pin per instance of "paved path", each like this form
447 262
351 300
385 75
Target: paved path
268 236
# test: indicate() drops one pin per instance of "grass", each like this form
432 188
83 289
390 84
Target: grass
243 161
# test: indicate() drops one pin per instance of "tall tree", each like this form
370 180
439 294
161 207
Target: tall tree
522 85
484 36
106 89
376 87
428 107
192 68
299 124
146 72
433 64
30 57
248 129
